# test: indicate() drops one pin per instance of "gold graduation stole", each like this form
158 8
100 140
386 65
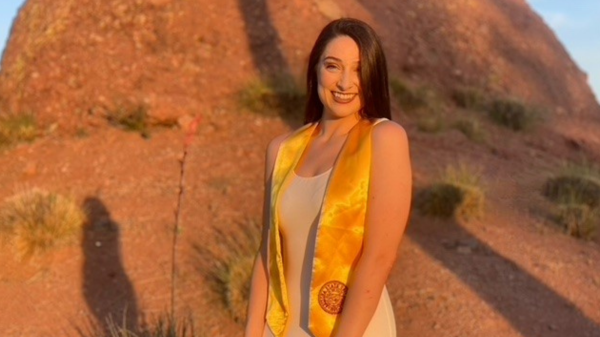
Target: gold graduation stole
340 229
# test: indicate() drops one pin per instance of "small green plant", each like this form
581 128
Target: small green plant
459 194
82 133
277 96
469 98
37 221
17 128
471 129
130 118
514 114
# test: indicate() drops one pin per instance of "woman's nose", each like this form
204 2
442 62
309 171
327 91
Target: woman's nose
345 81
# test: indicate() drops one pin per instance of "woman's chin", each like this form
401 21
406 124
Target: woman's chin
342 113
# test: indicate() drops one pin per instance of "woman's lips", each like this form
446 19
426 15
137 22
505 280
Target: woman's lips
342 97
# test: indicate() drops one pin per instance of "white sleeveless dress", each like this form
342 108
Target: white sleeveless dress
298 213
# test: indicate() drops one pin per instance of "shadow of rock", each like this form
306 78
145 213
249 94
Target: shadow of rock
527 304
264 44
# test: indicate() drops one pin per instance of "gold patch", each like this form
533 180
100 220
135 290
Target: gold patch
331 297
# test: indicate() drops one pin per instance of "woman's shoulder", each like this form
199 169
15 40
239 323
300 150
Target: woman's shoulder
276 142
389 133
385 128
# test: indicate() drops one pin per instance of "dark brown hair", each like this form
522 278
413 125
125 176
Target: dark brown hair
373 69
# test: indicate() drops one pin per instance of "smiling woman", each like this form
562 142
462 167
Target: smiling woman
337 198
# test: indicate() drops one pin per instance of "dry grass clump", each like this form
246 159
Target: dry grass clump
459 194
578 220
431 121
412 99
409 98
17 128
470 98
509 112
277 96
576 191
132 118
235 280
575 182
514 114
163 326
471 129
37 221
422 103
232 261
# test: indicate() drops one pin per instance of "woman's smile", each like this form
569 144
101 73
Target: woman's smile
343 98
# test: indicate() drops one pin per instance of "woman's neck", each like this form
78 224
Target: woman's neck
334 127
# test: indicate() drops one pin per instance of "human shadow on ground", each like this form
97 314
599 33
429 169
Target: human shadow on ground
108 291
528 305
264 43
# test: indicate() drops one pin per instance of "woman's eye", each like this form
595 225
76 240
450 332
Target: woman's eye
330 66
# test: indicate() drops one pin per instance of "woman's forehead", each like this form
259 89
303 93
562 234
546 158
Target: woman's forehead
342 49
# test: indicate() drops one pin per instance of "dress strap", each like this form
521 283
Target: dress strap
380 120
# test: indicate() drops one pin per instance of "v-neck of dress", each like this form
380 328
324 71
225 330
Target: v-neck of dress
337 156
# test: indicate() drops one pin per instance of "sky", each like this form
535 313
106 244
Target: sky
575 22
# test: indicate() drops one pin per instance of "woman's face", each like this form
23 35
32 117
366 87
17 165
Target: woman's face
338 76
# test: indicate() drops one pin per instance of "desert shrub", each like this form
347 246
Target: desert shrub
412 100
575 182
235 281
578 220
421 103
132 118
469 98
276 96
459 194
570 188
514 114
36 221
17 128
431 121
232 261
471 129
576 191
162 326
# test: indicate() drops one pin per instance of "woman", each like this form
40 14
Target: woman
337 198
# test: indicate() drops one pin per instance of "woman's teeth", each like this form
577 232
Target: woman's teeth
343 97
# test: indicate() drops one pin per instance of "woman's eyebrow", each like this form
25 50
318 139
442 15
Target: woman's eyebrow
338 60
333 58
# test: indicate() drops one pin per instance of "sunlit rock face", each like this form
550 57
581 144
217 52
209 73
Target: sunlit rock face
69 62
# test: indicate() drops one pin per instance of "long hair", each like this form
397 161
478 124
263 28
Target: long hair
373 69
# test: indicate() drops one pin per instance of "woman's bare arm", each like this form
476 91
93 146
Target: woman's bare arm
257 304
387 214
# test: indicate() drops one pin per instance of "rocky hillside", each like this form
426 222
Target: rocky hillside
70 62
